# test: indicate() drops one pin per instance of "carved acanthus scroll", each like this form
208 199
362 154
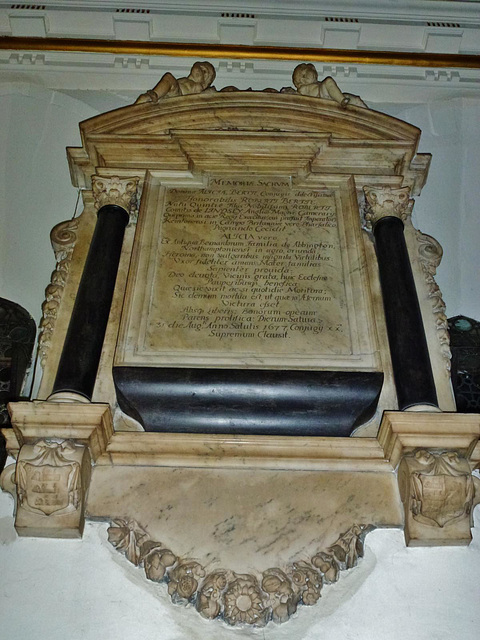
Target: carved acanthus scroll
430 254
122 192
382 202
239 599
63 238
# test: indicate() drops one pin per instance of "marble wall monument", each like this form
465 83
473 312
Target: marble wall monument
244 352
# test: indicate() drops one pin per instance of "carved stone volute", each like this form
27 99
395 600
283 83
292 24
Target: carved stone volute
63 238
122 192
382 202
430 254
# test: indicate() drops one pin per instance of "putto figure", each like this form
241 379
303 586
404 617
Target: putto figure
305 79
201 76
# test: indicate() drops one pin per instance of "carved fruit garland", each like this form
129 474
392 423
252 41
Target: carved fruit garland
63 237
430 254
238 599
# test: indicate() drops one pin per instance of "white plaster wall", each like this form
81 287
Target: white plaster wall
35 189
448 207
85 590
469 253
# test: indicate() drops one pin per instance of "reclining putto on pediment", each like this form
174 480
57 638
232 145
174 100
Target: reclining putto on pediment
202 74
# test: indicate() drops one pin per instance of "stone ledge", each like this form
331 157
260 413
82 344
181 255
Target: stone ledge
87 424
402 432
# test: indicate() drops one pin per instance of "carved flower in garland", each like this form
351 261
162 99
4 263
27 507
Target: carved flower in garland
306 581
282 598
244 602
183 580
127 536
239 597
156 560
327 565
210 594
349 547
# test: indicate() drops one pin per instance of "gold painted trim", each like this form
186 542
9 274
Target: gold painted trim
241 52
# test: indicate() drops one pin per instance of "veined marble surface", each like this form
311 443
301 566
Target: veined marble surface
241 520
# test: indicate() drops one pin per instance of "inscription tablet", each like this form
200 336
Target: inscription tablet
244 272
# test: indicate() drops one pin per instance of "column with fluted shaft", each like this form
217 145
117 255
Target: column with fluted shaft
115 200
387 209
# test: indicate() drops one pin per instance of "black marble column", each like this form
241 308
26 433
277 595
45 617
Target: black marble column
406 335
84 341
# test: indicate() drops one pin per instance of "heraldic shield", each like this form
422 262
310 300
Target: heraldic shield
50 482
441 488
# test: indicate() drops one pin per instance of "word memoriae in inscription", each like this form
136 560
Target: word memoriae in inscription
249 266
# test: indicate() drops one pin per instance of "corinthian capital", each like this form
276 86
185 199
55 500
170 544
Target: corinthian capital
122 192
386 201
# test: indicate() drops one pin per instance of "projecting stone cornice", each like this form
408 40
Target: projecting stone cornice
245 110
289 132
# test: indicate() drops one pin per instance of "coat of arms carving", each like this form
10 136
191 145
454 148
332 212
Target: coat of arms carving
441 487
49 482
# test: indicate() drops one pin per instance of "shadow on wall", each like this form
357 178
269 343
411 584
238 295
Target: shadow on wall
465 347
17 338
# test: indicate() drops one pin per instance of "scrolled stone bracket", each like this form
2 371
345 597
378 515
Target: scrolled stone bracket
239 599
52 477
120 192
435 455
55 445
430 255
63 238
437 491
